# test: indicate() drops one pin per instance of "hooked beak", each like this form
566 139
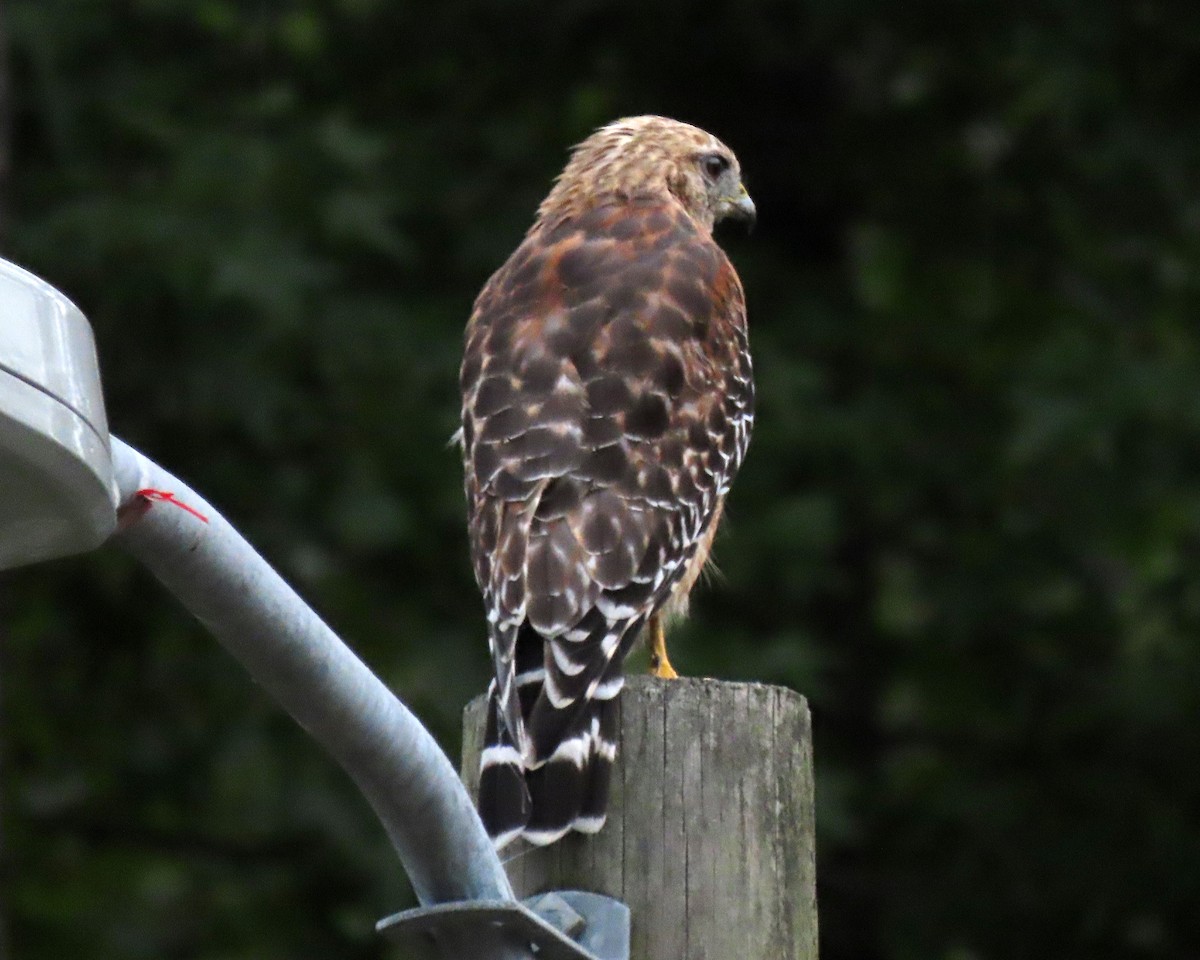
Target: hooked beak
741 208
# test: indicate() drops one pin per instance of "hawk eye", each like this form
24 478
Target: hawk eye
714 164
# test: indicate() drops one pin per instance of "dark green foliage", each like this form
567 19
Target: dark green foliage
967 529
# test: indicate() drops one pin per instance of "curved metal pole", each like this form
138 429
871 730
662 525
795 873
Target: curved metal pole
290 651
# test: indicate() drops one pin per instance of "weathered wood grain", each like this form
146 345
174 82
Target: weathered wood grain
710 829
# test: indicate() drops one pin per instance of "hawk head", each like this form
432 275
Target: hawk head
652 158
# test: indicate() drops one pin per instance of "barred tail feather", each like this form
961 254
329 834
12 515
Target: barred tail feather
504 803
569 789
556 778
594 809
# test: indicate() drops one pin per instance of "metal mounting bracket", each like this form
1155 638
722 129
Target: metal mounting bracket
563 925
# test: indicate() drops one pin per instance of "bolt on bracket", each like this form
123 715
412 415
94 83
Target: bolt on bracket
562 925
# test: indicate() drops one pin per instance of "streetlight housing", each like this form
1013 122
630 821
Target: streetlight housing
57 495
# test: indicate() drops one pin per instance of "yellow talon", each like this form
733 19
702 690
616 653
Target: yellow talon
660 664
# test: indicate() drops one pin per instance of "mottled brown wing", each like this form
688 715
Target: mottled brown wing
607 404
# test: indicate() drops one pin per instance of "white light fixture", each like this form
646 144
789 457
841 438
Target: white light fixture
57 494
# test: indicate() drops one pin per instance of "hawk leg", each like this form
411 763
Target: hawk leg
660 665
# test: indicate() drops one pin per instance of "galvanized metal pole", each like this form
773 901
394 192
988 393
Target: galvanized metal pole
287 648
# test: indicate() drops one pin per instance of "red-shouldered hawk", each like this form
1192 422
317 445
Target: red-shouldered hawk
607 405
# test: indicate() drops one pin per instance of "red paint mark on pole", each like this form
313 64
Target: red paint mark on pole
166 496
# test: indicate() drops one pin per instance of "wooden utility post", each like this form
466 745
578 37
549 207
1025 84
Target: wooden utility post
709 838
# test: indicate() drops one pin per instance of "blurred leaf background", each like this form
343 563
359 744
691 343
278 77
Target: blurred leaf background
967 530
